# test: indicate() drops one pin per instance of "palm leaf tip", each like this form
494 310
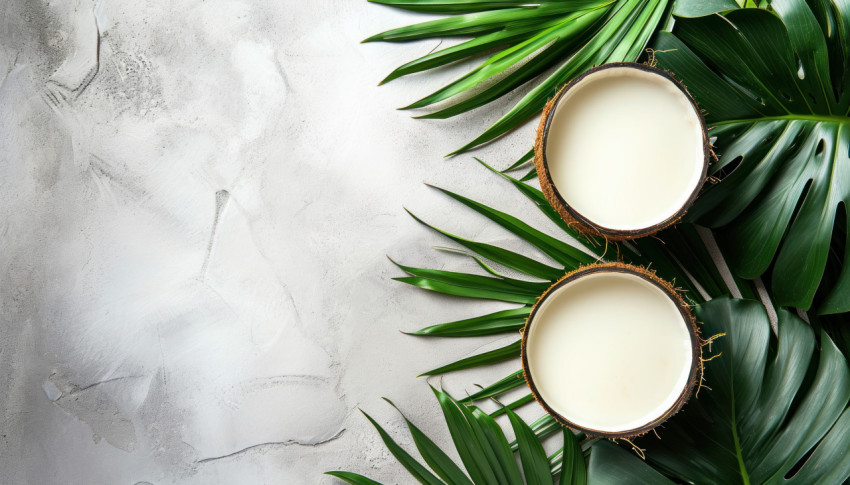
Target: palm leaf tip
352 478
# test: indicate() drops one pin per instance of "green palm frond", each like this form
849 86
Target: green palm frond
544 41
775 86
677 255
772 406
774 410
488 458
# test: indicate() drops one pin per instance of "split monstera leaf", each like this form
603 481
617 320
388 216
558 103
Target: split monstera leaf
775 86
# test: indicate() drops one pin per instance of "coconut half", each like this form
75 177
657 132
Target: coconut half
611 350
622 151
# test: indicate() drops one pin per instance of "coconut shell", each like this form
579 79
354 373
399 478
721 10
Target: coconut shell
694 376
571 216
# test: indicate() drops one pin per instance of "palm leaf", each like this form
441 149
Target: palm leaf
530 39
501 354
772 407
352 478
775 89
488 458
775 411
535 466
679 263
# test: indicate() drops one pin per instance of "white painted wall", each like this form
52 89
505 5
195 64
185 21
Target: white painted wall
196 198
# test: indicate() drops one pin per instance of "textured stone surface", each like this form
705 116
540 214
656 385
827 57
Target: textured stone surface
196 198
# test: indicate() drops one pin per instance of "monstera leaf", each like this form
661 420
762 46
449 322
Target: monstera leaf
775 86
544 41
775 410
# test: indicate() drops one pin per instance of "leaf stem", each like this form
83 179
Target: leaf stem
788 117
738 451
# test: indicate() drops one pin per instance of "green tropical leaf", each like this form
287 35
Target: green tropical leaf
456 6
545 42
774 86
501 354
573 461
499 387
502 321
352 478
505 461
622 38
687 263
773 406
502 256
484 450
419 472
775 410
528 398
535 465
435 457
482 22
542 427
570 256
612 465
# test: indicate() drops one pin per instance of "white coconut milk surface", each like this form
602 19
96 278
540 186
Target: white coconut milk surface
609 351
625 148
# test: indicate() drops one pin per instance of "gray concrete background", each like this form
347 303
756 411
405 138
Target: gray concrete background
196 201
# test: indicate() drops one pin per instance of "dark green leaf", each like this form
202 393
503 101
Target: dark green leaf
455 6
573 468
523 161
621 29
523 62
466 291
536 196
499 387
612 465
433 455
535 465
418 471
475 23
770 402
465 440
499 355
499 444
466 49
560 251
493 323
352 478
511 406
774 87
542 427
531 40
502 256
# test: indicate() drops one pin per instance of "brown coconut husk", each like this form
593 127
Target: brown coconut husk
570 215
696 371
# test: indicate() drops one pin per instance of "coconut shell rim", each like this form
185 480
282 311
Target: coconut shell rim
567 212
694 375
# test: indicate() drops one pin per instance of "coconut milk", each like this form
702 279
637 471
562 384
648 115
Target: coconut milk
609 351
625 148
